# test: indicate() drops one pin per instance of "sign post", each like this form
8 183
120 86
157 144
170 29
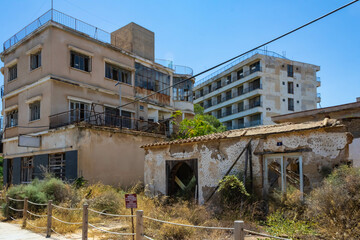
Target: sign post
131 202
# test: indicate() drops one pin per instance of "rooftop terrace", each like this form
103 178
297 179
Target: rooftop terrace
83 27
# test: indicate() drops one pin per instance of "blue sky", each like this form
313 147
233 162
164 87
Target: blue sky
201 34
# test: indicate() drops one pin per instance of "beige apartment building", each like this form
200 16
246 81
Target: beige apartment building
64 81
252 89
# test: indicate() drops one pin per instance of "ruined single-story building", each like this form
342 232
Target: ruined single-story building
98 153
274 156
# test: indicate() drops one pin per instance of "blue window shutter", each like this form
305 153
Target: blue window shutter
16 171
71 160
40 162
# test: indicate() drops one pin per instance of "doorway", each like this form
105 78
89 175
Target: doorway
182 180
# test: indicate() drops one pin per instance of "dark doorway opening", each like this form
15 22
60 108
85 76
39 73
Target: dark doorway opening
182 179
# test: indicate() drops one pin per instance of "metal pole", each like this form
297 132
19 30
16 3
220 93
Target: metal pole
132 222
25 212
49 219
139 225
85 222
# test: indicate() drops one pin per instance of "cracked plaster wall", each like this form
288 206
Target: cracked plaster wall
318 148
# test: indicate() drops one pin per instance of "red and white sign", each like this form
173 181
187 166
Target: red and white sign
130 201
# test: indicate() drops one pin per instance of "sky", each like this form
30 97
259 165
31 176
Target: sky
201 34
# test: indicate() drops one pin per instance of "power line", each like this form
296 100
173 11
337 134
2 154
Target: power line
231 59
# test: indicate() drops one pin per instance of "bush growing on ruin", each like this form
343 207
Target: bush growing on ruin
335 206
232 190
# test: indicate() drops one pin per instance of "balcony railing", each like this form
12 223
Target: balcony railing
241 109
105 119
247 90
248 124
183 70
226 68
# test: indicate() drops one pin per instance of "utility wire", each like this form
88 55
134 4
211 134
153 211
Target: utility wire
231 59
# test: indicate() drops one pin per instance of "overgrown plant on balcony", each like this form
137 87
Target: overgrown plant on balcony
201 124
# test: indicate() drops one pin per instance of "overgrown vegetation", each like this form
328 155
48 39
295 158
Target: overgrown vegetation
1 171
201 124
331 211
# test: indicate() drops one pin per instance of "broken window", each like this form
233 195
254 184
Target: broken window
118 74
57 165
254 102
79 111
284 172
290 70
112 116
80 61
228 79
34 110
290 87
27 166
35 60
12 118
182 90
240 74
254 85
151 79
255 67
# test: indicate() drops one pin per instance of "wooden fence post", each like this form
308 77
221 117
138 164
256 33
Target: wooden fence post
49 219
139 225
25 212
7 207
239 233
85 222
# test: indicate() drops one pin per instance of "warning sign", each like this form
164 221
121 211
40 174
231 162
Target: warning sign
130 201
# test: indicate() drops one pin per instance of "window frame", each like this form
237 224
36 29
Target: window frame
290 87
12 118
37 58
291 107
34 106
27 169
290 70
12 72
57 161
80 56
111 70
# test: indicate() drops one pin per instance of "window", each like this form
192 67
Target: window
12 72
218 84
228 95
290 104
112 116
255 120
290 70
141 107
80 61
240 122
35 60
182 89
254 102
151 79
12 118
209 87
126 119
240 74
27 166
79 111
255 67
240 106
117 73
218 99
254 85
201 92
228 111
34 110
57 165
290 87
228 125
228 79
240 90
219 113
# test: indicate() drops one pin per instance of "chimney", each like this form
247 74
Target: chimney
136 39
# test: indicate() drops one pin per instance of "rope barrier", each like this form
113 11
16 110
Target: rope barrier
12 218
112 215
264 235
148 237
16 200
65 221
38 204
116 233
185 225
55 231
36 215
34 225
15 209
69 209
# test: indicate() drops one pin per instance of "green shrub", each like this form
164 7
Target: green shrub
232 190
278 225
335 205
54 189
109 202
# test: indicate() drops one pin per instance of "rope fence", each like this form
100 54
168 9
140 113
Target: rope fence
238 230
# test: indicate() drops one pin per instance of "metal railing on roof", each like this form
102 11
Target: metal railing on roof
236 61
83 27
184 70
